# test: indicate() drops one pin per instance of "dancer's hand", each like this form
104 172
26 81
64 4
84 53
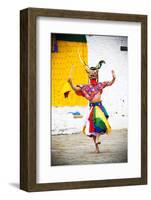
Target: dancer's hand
113 74
69 80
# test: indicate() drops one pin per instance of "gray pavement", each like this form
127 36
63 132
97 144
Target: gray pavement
78 149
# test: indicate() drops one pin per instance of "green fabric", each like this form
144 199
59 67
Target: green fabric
71 37
98 121
100 124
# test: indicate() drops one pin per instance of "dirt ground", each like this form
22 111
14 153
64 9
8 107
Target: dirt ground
78 149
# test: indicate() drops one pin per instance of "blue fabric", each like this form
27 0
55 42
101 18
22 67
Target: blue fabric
99 130
101 106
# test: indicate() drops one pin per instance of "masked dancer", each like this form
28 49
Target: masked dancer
98 116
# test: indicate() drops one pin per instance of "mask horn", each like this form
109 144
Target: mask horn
99 65
83 63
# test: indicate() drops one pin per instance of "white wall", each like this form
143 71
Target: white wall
9 101
115 98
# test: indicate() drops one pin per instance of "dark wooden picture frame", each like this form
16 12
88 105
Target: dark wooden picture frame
28 99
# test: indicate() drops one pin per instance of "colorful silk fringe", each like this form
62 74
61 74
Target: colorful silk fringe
98 119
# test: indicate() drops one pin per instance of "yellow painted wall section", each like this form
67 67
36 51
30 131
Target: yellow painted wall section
61 63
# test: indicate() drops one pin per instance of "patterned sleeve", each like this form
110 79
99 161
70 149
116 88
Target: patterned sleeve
84 91
80 91
105 83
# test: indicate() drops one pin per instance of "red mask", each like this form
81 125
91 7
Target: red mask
93 81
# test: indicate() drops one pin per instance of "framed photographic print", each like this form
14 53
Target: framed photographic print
83 99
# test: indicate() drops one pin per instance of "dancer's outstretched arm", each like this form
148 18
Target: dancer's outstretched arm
113 78
75 88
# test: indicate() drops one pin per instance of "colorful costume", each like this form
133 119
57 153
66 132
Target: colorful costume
98 122
98 115
90 90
